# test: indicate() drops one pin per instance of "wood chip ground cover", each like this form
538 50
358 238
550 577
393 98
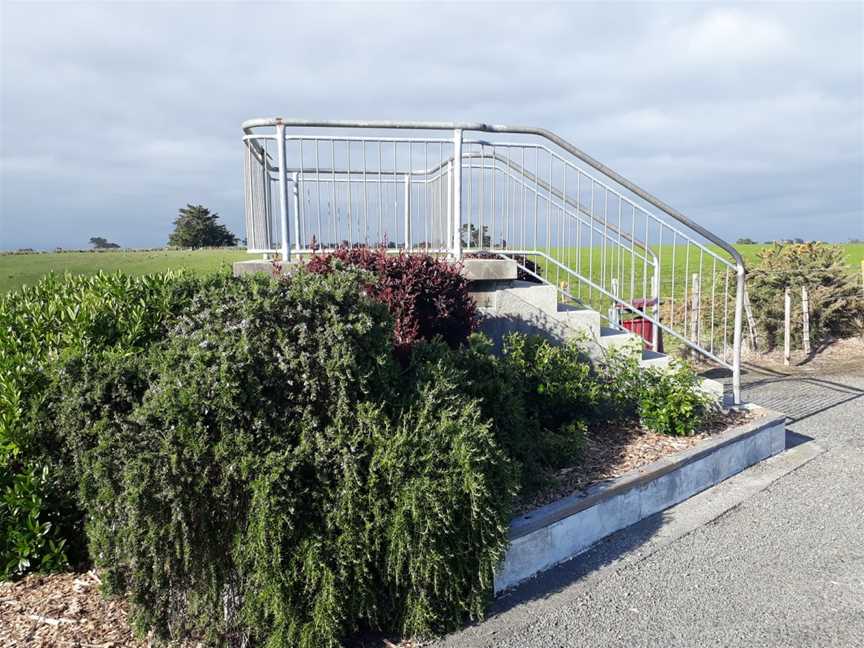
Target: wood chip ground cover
65 611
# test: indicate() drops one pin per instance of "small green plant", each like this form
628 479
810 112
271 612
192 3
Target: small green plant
672 402
620 385
30 539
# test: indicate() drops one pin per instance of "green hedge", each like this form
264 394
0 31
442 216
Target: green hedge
39 326
252 461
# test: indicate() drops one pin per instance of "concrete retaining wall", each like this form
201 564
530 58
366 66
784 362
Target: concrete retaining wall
558 531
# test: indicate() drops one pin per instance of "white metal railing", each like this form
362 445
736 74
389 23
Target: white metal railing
462 188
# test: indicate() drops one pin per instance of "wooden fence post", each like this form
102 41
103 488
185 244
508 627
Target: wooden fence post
805 314
751 322
787 324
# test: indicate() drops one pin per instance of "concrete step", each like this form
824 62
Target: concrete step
716 390
654 360
611 338
513 297
580 318
542 296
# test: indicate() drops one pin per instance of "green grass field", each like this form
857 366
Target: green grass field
677 266
17 270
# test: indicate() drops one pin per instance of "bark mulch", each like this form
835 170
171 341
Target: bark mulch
64 610
610 452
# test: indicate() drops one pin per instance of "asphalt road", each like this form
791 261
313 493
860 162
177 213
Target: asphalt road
772 557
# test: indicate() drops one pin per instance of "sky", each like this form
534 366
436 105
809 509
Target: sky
749 118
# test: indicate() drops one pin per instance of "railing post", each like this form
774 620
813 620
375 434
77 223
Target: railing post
736 336
407 211
655 288
457 194
295 177
449 217
283 192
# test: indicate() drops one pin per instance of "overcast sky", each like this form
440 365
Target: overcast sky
748 118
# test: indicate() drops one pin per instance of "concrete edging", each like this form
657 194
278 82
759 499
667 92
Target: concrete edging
556 532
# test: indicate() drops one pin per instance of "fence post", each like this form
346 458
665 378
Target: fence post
283 192
787 325
655 287
805 315
613 308
457 194
751 323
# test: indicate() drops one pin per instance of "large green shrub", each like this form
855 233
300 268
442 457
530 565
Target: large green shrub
62 314
836 304
270 472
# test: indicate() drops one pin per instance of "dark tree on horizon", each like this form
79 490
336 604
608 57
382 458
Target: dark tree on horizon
101 243
196 227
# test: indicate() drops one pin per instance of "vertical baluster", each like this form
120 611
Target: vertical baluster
333 213
591 243
318 190
672 289
725 312
713 285
494 167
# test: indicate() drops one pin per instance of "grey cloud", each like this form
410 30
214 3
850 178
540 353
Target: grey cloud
748 117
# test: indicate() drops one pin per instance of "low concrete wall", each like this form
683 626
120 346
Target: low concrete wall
252 266
558 531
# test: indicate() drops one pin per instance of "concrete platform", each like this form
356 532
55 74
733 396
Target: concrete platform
489 269
558 531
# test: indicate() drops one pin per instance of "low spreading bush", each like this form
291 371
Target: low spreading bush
836 303
427 296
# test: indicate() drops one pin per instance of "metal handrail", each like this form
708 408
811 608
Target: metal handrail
457 128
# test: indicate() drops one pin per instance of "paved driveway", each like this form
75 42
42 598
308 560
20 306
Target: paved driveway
772 557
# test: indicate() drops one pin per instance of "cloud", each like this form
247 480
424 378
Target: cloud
112 116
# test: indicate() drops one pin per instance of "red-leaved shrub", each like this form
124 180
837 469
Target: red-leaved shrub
427 296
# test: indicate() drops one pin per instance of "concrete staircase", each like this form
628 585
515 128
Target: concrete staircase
508 304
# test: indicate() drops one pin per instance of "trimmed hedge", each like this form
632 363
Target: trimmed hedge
39 325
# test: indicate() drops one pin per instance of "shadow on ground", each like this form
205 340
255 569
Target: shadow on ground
796 395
